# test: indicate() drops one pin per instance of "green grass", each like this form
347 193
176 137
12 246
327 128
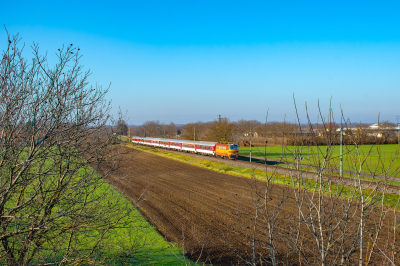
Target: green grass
135 234
123 138
132 241
379 158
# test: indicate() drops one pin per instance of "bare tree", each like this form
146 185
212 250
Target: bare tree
51 200
151 128
121 128
319 218
243 126
195 131
169 131
221 130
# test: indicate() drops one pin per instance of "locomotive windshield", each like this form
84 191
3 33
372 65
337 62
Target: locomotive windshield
233 147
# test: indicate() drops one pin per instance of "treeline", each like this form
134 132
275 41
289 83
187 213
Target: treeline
222 130
274 133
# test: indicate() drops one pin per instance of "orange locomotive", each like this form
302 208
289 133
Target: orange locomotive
230 151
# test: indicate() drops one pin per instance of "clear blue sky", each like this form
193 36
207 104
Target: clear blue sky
187 61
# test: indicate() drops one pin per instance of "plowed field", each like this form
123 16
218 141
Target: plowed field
209 214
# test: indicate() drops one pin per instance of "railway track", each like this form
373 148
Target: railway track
379 185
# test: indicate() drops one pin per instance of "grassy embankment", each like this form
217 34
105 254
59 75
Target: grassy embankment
308 184
132 241
134 234
378 157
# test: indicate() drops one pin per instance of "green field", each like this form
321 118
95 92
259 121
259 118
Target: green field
380 159
135 241
132 241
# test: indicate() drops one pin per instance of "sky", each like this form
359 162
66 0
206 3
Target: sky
189 61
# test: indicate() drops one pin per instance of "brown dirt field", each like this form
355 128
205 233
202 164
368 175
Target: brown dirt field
209 214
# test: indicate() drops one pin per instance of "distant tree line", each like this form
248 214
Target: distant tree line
352 134
222 130
275 133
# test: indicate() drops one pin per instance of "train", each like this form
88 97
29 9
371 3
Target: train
228 151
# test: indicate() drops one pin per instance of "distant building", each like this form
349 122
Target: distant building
376 130
247 134
347 130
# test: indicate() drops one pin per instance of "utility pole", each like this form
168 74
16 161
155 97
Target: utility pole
250 144
145 132
341 147
194 133
296 150
265 135
398 130
129 132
